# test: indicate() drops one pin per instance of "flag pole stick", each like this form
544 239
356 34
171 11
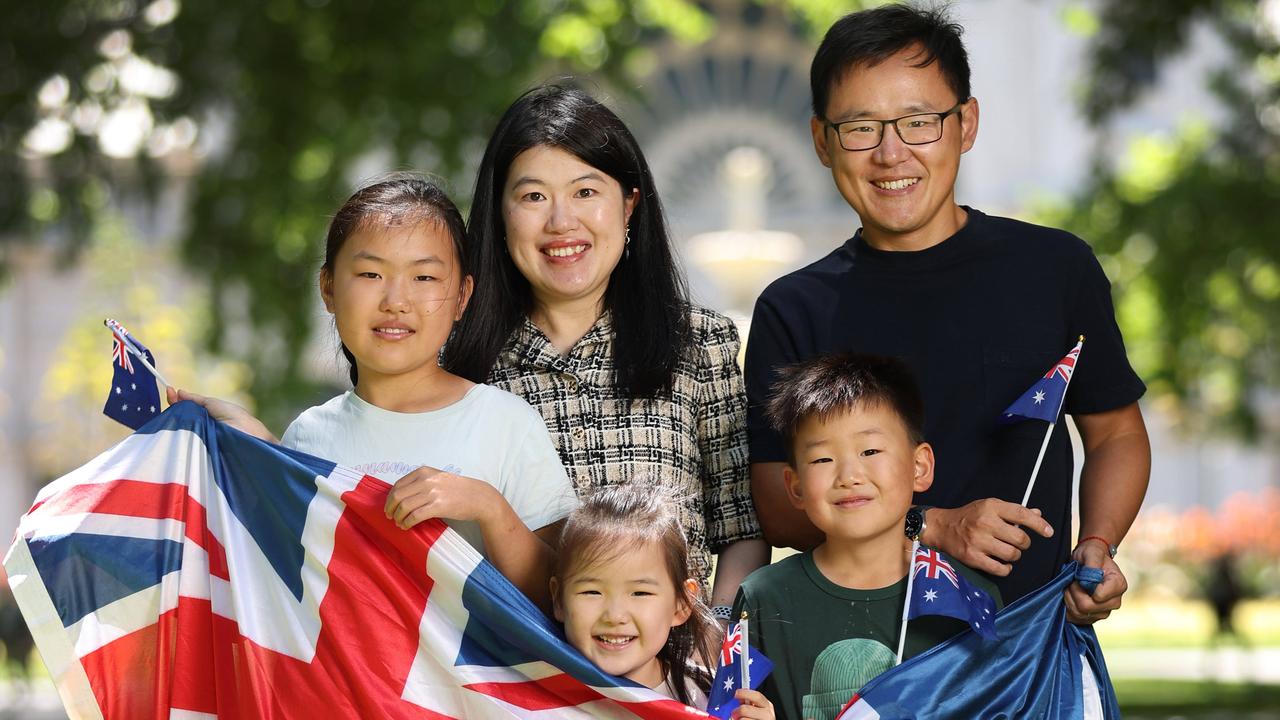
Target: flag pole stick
134 351
1026 497
906 606
745 655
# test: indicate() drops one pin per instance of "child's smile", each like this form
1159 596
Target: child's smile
619 612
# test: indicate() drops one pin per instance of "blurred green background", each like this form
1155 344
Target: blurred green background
173 164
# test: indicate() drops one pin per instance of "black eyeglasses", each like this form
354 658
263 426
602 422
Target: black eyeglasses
917 129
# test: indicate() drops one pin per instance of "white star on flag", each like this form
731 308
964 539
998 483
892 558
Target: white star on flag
118 391
728 683
1038 397
930 595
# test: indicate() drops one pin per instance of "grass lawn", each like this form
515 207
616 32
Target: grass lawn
1176 623
1190 698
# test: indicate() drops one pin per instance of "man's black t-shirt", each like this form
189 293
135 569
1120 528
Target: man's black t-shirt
979 318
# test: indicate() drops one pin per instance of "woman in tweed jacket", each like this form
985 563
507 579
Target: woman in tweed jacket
579 309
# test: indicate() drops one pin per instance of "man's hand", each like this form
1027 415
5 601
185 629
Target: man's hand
224 412
430 493
1086 609
986 535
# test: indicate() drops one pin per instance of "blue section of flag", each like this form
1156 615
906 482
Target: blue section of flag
937 589
1043 400
505 629
267 487
721 702
86 572
134 397
273 488
1035 669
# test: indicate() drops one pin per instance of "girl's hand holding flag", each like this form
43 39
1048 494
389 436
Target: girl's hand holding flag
225 412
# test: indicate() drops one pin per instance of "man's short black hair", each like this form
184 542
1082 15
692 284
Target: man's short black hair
836 383
872 36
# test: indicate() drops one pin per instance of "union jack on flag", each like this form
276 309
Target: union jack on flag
195 572
120 353
1066 365
1044 399
732 644
933 565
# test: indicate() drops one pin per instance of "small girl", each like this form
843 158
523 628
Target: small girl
395 280
623 590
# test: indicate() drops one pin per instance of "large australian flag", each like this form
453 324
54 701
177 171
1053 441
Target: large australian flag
1041 666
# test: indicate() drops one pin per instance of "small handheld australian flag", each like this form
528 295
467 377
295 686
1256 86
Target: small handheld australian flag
938 589
1043 400
134 398
721 701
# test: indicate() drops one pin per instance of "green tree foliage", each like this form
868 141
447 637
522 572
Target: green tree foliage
279 106
1187 225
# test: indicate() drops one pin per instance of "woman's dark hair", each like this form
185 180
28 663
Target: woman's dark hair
835 383
399 199
646 294
620 518
870 37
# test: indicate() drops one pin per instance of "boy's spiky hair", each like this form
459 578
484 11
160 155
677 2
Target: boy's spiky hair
839 382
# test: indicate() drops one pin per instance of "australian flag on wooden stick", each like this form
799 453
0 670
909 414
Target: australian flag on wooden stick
721 701
134 398
937 589
1043 401
195 572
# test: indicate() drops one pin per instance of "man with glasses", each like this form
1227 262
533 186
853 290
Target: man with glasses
979 306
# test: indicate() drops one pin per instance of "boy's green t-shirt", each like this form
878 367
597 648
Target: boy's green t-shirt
826 640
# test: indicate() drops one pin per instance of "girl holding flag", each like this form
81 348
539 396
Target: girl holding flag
396 280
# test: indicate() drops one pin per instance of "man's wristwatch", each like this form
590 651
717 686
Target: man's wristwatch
915 522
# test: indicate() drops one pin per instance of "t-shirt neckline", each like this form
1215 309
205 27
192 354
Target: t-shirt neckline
368 409
852 594
953 247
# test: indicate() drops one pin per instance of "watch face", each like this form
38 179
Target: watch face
915 519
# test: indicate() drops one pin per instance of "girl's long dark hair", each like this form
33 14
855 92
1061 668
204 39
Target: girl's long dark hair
646 295
617 519
396 199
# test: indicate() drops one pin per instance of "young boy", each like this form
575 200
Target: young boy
829 618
